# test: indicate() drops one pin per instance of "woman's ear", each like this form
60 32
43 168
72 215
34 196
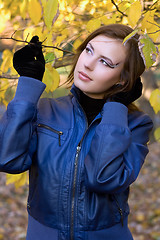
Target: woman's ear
120 83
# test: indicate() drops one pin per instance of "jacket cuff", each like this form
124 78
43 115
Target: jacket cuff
29 89
115 113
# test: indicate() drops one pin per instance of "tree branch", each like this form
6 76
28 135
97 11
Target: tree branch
118 8
154 25
7 76
150 7
65 61
62 62
25 41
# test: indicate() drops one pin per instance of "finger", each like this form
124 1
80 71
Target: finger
35 39
38 49
40 57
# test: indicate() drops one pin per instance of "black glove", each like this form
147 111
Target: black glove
29 61
128 97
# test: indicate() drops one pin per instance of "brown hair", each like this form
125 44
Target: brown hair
133 66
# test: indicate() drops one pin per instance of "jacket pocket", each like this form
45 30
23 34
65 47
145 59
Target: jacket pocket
58 134
120 210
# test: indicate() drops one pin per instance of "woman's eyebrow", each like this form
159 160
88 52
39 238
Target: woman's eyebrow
102 55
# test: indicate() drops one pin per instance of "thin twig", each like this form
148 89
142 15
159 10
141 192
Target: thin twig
154 24
27 37
154 32
24 41
118 8
10 77
150 7
60 49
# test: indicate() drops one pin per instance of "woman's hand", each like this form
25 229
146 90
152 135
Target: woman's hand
29 61
128 97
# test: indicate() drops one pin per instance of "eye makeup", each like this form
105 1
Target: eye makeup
105 60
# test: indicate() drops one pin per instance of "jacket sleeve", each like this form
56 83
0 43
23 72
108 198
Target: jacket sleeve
118 149
17 138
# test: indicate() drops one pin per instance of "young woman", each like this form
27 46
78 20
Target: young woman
83 150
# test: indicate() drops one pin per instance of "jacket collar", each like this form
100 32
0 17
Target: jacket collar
75 92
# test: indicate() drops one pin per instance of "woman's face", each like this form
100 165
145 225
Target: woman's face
99 66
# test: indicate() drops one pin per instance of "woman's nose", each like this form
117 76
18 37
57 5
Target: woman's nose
90 64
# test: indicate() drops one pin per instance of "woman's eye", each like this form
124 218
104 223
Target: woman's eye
107 64
88 50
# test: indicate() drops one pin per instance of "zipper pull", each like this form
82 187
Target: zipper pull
121 213
77 154
60 134
78 149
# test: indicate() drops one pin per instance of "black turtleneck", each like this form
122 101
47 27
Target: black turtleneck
91 106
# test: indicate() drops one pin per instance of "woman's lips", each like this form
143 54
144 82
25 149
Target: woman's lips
84 77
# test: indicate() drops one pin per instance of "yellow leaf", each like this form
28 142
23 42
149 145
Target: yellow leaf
77 43
4 17
59 39
70 17
58 53
5 103
50 11
7 61
155 100
110 6
51 78
157 137
39 32
132 34
149 25
148 50
18 179
123 6
23 8
2 94
134 14
106 20
29 31
140 217
48 36
35 11
44 3
147 20
153 31
93 24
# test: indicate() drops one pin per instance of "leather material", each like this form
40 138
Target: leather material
72 191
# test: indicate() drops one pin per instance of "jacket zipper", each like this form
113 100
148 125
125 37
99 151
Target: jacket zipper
74 184
60 133
74 178
73 190
119 209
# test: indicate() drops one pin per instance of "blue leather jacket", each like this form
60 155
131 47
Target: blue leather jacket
79 174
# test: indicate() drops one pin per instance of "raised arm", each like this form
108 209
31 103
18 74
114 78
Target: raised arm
17 136
118 149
